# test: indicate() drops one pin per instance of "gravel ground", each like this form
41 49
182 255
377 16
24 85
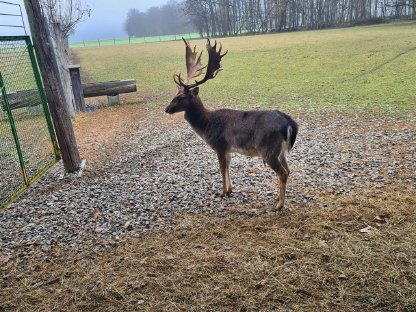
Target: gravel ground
166 170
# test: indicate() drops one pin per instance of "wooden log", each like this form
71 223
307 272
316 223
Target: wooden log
109 88
77 87
28 98
21 99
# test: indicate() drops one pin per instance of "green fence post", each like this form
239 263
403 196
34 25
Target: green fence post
45 107
14 131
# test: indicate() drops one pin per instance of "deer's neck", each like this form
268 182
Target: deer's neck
197 116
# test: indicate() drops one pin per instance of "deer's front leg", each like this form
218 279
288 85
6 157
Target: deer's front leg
224 168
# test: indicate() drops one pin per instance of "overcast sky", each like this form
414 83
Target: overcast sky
106 21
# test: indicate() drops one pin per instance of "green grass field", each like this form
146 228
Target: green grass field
357 68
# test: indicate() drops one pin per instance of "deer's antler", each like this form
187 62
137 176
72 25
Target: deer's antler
214 62
194 67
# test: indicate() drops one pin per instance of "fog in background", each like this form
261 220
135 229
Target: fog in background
108 18
106 22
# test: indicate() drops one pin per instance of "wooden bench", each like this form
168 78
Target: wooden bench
111 89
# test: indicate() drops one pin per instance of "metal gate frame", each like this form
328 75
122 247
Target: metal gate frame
28 181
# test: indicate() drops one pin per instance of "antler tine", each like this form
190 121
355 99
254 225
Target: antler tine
174 79
181 80
219 51
178 80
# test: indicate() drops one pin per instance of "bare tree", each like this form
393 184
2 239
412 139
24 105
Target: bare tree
63 16
232 17
68 13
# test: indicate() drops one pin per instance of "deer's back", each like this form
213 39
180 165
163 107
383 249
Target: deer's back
246 132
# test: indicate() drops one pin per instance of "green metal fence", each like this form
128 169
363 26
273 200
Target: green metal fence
27 141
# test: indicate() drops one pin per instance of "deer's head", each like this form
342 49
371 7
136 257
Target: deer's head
188 92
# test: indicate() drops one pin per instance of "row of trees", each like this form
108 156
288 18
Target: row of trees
232 17
168 19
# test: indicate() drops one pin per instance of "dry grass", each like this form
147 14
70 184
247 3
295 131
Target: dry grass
100 132
306 260
106 132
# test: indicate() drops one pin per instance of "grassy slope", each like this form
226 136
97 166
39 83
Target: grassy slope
360 67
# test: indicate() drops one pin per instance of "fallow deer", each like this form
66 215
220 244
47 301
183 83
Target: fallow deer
268 134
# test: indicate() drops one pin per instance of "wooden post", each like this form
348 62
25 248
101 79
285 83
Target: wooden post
113 99
53 87
77 87
61 47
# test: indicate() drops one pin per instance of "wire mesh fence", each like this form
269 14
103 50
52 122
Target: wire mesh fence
27 141
133 40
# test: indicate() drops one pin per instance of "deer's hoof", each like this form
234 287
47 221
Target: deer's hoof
223 194
279 206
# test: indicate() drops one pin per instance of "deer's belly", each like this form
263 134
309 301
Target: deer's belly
246 152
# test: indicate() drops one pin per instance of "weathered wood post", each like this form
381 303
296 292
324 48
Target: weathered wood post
61 53
53 87
77 87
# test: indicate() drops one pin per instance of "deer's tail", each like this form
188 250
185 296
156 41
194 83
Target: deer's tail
291 133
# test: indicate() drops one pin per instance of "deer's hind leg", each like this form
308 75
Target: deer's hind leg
277 162
283 176
224 160
227 174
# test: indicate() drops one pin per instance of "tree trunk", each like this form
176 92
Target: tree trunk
60 45
53 87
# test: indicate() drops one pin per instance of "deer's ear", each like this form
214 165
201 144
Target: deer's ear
195 91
